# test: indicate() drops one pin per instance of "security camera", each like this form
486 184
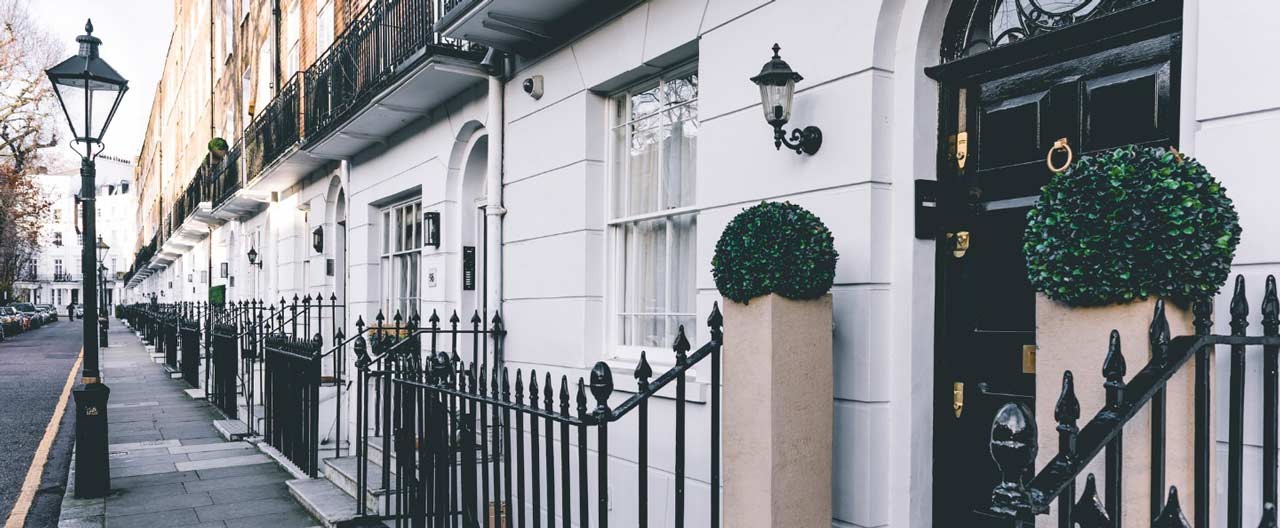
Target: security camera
533 86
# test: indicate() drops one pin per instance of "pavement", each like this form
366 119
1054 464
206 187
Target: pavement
169 466
33 371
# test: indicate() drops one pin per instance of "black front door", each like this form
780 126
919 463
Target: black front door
998 124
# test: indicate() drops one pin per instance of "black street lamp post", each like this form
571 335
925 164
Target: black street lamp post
89 91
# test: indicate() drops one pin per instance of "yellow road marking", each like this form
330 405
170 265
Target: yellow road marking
18 517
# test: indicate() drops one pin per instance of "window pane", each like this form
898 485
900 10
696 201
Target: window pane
417 226
679 153
644 288
642 185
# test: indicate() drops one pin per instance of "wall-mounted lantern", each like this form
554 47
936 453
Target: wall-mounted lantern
432 219
253 258
777 82
317 239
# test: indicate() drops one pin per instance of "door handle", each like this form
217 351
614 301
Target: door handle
957 398
959 243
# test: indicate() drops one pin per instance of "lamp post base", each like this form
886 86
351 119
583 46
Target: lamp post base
93 473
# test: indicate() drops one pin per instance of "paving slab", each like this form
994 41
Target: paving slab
169 467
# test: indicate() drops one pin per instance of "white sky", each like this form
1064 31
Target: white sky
135 37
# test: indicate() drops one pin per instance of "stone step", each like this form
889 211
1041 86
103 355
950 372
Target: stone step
342 473
231 429
323 500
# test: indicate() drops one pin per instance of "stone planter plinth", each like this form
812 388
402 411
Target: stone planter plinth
778 407
1076 339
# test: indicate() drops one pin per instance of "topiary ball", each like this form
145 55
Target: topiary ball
777 248
1129 224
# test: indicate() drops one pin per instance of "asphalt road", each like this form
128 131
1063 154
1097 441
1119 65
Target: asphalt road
33 371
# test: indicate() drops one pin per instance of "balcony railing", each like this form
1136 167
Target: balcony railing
58 276
368 57
451 10
274 130
226 179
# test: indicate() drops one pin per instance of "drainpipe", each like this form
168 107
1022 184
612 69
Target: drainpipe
274 42
493 188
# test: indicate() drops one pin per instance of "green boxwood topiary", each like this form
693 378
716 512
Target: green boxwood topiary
1129 224
217 144
774 248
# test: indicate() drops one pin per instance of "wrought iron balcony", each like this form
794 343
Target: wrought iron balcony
390 66
274 131
225 179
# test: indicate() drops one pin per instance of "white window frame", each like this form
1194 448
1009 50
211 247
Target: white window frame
324 28
400 258
615 243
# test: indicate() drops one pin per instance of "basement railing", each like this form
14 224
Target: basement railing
1014 431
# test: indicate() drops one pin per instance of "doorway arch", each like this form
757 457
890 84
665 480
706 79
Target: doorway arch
470 280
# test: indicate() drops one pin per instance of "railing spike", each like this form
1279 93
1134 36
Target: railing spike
1089 511
1067 410
548 391
1239 307
498 324
1114 368
643 371
1159 333
564 390
1203 310
360 323
506 384
434 319
533 386
1171 516
582 398
519 386
1271 304
715 320
1268 516
1013 447
454 319
475 318
379 318
397 318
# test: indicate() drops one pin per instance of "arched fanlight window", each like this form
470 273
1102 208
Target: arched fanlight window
987 24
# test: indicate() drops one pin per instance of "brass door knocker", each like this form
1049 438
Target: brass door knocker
960 243
1059 145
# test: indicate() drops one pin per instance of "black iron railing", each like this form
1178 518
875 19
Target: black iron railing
189 343
1014 442
274 131
452 10
226 178
468 443
223 390
372 53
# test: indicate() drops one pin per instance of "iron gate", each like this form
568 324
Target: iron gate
226 362
189 328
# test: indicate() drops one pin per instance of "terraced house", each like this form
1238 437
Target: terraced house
558 173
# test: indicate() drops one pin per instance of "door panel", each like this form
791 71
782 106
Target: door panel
986 315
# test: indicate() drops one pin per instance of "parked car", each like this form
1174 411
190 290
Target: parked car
11 320
79 310
50 313
35 319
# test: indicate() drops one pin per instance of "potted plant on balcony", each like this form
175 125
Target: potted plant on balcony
218 147
1114 238
774 264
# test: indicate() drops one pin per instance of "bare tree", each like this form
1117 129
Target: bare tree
27 127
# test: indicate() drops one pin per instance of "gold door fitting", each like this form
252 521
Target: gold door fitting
957 398
959 243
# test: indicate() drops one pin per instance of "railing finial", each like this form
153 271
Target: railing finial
1159 333
1113 367
1171 516
1089 510
1271 306
601 388
643 372
1067 410
1203 310
1239 308
454 319
1013 447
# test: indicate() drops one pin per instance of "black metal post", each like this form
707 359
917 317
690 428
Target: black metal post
93 476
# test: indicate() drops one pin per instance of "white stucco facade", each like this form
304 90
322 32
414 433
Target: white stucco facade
864 85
